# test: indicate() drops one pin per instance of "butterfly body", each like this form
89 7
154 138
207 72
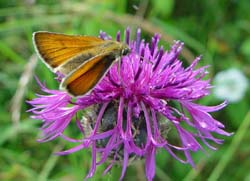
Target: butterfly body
83 60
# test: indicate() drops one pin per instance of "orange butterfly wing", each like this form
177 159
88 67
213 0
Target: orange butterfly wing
56 49
88 75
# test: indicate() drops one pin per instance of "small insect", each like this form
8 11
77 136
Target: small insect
82 60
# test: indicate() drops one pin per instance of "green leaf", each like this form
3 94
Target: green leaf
162 8
245 48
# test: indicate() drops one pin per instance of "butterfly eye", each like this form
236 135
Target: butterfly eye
125 51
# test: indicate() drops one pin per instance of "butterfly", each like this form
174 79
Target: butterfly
82 60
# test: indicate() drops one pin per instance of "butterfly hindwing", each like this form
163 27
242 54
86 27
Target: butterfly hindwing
83 79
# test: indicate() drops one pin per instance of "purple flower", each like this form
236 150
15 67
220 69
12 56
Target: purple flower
130 113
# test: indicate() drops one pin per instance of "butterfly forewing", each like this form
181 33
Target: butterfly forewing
57 49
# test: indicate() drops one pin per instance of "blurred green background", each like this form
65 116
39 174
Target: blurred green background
217 29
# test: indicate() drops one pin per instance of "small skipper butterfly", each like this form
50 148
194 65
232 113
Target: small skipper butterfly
83 60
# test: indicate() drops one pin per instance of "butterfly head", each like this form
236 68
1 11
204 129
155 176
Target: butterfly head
125 50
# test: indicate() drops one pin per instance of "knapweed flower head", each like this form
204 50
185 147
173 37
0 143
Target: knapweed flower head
133 110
